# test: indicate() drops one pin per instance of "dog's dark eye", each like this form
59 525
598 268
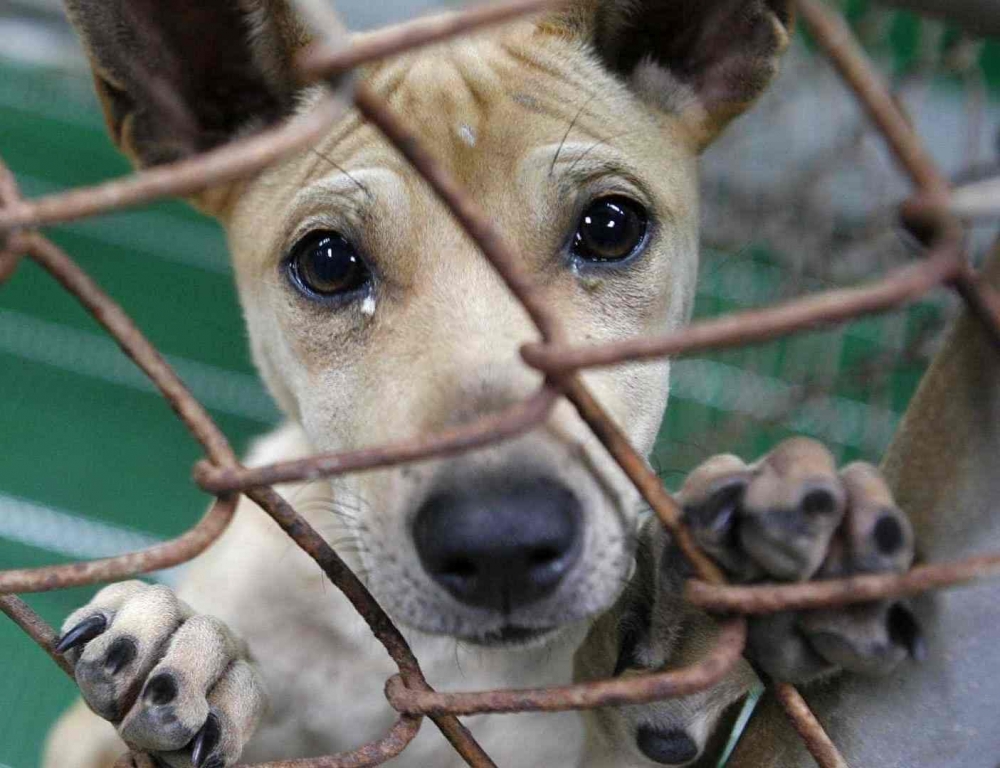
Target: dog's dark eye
326 264
611 229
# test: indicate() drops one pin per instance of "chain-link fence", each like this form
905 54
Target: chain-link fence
934 213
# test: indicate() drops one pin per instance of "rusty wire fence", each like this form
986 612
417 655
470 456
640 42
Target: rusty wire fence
935 213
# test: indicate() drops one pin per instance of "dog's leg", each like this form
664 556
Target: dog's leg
942 467
651 628
172 683
791 516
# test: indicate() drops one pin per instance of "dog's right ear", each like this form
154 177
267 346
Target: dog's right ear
705 61
177 77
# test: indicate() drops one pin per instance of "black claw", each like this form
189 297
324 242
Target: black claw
160 690
717 516
122 652
82 633
904 630
205 743
634 629
673 747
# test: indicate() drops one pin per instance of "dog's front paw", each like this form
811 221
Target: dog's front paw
651 629
174 683
791 517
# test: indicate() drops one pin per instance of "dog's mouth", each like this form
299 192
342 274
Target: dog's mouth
513 636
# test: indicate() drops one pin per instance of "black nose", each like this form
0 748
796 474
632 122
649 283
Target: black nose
500 544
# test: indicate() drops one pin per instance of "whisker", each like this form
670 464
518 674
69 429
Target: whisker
343 170
572 125
595 145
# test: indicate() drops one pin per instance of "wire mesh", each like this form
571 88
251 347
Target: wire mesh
934 212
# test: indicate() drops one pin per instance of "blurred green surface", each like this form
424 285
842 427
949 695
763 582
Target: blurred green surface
85 438
83 434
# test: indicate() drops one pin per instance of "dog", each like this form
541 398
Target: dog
372 317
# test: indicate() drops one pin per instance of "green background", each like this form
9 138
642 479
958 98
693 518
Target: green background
95 463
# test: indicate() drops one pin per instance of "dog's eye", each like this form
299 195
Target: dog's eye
611 229
326 264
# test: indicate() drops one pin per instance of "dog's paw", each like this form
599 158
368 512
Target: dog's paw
651 628
791 517
688 731
174 683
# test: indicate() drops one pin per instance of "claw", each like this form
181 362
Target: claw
82 633
904 629
715 521
205 742
673 747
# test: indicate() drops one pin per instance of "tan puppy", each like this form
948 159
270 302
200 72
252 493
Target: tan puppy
372 318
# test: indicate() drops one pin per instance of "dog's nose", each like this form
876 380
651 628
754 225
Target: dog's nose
503 546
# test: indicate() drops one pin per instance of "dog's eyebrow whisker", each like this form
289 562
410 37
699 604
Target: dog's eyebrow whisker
583 155
569 130
599 143
362 187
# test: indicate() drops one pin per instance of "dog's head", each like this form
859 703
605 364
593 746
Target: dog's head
373 318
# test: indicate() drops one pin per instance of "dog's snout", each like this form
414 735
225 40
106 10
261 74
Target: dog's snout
500 547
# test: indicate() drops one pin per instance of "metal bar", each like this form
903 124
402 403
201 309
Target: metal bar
368 608
836 39
504 425
109 314
323 61
824 751
167 555
409 691
469 215
377 752
10 251
842 48
642 476
21 614
643 689
238 160
838 592
246 157
757 326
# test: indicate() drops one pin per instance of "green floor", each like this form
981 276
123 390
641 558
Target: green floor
85 440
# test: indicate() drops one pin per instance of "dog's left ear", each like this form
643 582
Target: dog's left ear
178 77
705 60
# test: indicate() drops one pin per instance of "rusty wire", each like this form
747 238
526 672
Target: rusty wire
221 474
